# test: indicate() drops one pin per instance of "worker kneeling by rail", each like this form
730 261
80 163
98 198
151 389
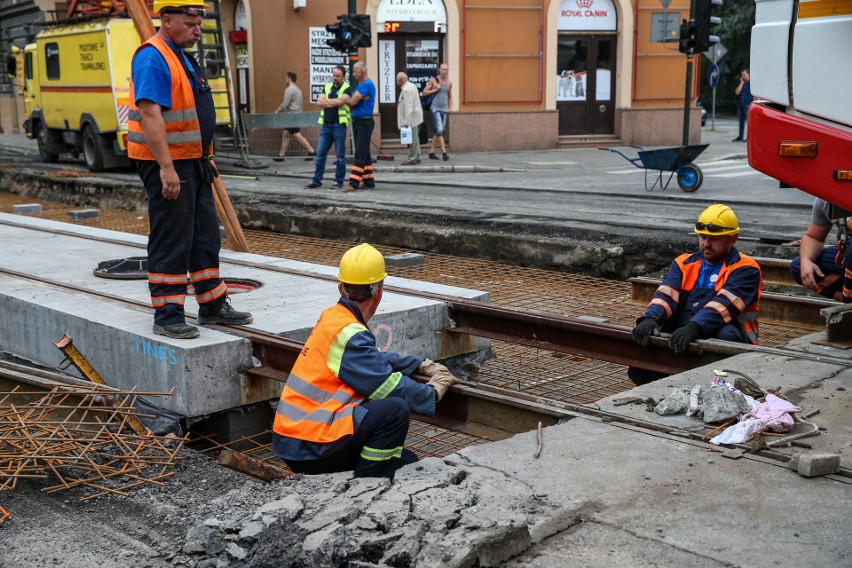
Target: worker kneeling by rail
711 293
346 405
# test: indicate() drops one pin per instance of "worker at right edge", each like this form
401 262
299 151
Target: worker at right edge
711 293
346 405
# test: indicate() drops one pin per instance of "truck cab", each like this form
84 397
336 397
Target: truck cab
800 124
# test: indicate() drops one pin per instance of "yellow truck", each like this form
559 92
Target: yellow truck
77 83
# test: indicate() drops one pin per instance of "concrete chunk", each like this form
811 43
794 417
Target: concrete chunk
26 209
404 259
812 464
84 214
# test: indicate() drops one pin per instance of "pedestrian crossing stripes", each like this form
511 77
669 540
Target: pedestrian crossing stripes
720 169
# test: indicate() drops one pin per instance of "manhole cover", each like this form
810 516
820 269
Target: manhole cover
235 286
132 268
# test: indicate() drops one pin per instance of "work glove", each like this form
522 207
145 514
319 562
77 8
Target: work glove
429 368
208 169
644 330
441 381
683 336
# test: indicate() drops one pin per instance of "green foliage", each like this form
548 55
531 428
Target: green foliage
735 34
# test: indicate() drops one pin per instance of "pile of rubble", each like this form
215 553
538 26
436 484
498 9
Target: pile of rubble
433 513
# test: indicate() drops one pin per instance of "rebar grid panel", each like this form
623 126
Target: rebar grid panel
81 437
558 376
4 514
426 440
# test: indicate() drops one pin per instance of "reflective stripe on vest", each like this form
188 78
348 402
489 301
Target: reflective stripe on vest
315 405
183 133
342 112
748 316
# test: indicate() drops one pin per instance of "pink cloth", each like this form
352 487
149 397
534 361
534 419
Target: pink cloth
776 412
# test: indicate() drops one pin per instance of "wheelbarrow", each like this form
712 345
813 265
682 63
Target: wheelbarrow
675 160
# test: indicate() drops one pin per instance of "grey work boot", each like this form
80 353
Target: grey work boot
227 315
177 330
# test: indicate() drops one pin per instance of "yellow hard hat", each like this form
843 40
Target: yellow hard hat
362 265
160 4
717 219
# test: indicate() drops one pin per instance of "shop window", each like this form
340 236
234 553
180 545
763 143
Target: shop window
51 57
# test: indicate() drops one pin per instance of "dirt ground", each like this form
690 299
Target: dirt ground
146 529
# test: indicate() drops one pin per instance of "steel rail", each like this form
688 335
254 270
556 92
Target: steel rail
796 311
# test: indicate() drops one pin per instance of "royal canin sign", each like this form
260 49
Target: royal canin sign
582 15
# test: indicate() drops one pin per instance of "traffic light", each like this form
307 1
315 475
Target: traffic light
358 26
704 24
686 43
337 43
353 31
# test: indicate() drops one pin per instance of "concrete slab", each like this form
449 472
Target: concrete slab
667 501
205 372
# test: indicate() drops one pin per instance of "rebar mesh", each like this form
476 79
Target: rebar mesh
80 437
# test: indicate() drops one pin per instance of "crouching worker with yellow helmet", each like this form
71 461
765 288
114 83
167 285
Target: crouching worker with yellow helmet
711 293
346 405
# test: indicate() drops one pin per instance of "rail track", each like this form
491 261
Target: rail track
487 411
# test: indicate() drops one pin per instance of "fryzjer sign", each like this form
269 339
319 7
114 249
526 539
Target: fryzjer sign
584 15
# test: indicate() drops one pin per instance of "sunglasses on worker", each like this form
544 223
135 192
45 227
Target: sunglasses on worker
194 12
711 228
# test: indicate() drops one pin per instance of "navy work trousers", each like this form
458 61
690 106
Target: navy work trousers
384 428
362 169
836 282
183 238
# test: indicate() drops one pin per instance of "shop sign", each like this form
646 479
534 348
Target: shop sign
387 78
323 59
587 15
421 61
411 11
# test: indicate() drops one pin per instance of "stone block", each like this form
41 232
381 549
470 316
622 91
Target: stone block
812 464
26 209
404 259
84 214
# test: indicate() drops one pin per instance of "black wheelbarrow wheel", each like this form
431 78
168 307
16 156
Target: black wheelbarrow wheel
689 177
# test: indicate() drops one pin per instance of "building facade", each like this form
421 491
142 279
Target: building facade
526 74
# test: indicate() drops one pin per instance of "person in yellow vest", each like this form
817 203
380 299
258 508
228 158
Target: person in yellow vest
170 139
346 405
711 293
334 118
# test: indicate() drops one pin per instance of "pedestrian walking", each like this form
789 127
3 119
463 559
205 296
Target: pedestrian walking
440 88
292 103
409 112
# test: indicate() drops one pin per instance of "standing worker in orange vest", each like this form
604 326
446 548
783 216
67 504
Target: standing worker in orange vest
711 293
170 139
346 405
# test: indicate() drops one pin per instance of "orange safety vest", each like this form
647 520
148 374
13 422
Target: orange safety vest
183 132
315 405
748 314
